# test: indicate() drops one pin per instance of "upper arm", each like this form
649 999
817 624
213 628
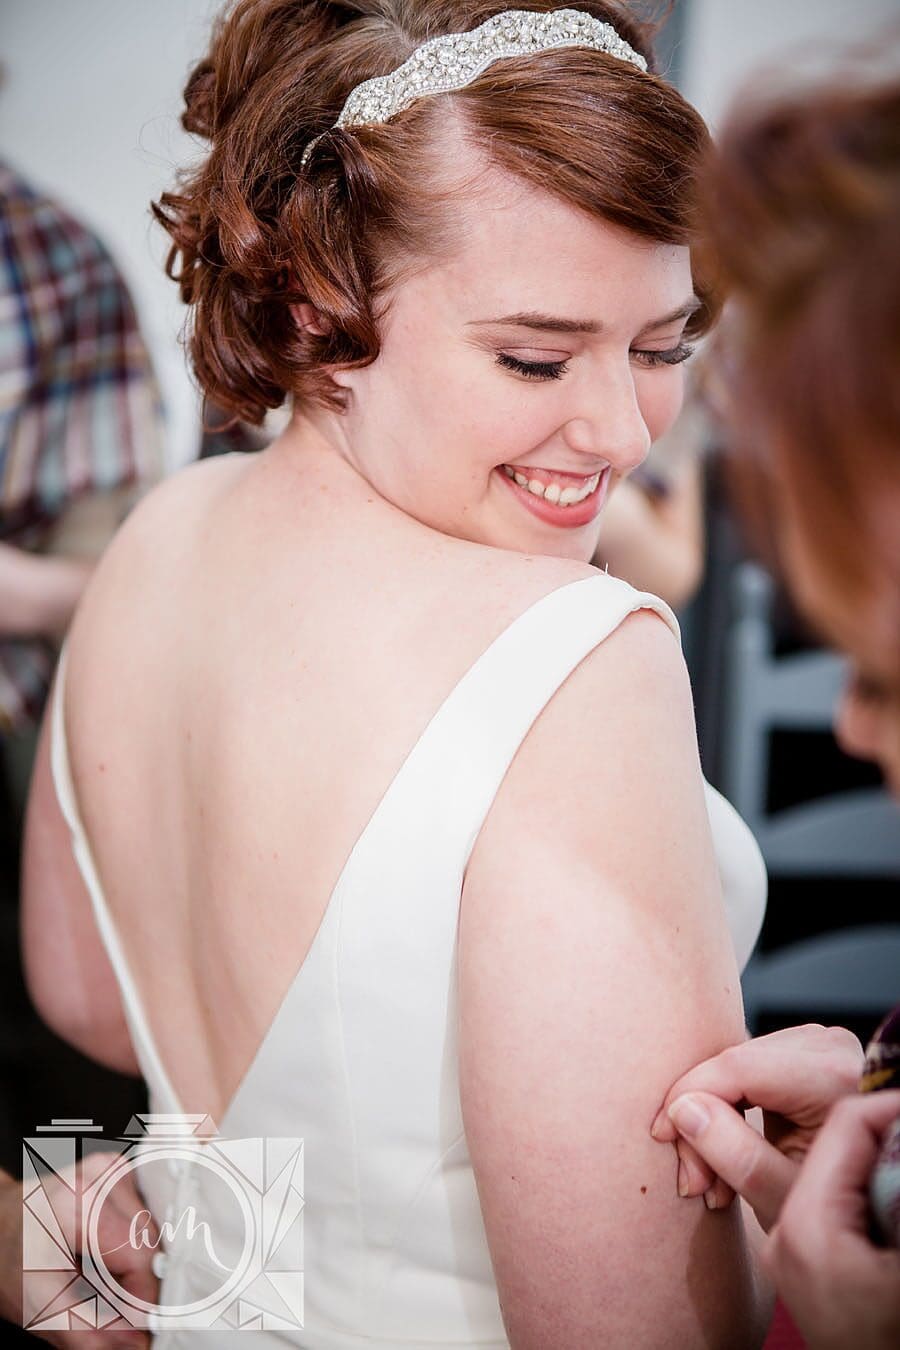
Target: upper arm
595 967
69 975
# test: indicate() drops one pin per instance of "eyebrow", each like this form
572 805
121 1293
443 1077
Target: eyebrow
549 323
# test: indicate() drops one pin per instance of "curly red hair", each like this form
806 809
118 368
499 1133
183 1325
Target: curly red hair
253 233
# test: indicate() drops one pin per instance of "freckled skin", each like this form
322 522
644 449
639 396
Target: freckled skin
430 422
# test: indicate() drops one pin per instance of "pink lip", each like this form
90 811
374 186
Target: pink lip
566 517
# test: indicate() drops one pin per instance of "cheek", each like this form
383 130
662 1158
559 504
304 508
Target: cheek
497 418
444 397
462 413
660 395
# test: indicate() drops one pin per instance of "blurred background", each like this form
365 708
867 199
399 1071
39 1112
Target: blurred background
90 96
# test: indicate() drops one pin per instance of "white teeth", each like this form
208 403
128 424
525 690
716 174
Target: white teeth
552 492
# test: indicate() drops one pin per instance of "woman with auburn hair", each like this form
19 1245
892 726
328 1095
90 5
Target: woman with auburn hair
804 211
387 802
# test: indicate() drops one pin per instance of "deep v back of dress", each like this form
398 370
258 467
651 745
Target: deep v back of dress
360 1061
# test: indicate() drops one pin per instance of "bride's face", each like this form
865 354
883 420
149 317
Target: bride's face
548 347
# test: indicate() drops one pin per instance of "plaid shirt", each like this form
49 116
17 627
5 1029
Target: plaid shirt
79 406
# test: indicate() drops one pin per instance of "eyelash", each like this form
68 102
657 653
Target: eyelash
554 370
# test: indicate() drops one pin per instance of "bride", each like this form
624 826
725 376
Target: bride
388 820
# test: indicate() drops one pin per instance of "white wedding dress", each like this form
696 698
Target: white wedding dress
361 1059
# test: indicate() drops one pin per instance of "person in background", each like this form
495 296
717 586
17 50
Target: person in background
81 438
81 432
803 205
653 531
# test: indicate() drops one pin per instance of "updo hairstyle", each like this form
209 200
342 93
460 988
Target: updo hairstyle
254 233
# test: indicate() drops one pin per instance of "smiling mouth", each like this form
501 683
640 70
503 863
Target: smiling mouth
566 512
572 490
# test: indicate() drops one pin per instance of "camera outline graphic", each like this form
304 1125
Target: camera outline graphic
69 1174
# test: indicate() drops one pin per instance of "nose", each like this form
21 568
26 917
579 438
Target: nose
610 424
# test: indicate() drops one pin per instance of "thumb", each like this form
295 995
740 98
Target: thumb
735 1151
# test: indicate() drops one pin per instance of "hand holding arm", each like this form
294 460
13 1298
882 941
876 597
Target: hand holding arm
795 1075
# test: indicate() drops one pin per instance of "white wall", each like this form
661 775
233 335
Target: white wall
724 41
89 107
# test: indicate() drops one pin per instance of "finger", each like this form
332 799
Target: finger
798 1072
719 1196
694 1175
831 1191
735 1152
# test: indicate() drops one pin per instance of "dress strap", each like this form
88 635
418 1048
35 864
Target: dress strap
400 891
466 749
144 1046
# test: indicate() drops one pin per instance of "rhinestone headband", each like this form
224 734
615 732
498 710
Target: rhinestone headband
454 60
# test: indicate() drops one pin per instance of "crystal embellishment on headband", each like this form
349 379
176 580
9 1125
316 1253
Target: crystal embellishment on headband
454 60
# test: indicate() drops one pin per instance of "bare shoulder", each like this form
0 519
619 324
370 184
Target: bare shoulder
151 549
177 501
499 574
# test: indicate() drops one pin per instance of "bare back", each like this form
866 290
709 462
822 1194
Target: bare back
262 647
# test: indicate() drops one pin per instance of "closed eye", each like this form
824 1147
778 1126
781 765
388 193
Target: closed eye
533 370
672 356
554 370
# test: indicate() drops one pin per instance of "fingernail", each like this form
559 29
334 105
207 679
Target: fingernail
657 1124
682 1180
711 1199
688 1116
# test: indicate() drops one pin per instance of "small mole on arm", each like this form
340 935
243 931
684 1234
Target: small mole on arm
102 767
643 1190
